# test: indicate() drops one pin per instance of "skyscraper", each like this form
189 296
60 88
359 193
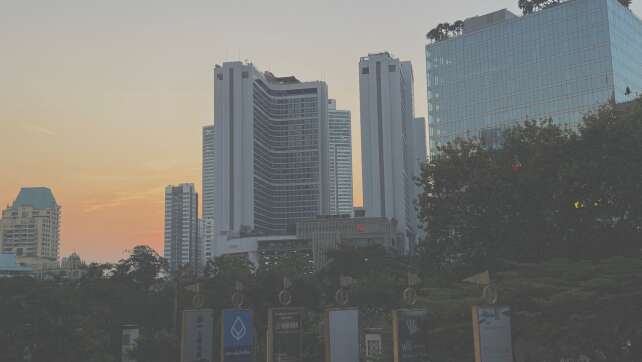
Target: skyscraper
271 150
181 226
207 239
421 153
209 171
30 227
559 63
340 158
388 139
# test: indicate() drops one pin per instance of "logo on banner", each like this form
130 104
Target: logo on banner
238 330
411 324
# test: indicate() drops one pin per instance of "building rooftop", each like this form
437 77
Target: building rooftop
477 23
36 197
281 80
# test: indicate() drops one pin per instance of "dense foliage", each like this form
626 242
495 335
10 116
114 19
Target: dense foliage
530 6
445 30
561 308
546 193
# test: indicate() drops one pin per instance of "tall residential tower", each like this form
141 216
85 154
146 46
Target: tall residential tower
209 171
389 153
181 227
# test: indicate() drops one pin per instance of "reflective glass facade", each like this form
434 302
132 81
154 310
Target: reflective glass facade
562 63
287 163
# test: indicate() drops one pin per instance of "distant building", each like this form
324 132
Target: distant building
207 240
72 267
271 151
358 212
30 228
263 250
9 267
181 226
388 136
209 171
560 63
421 154
340 160
313 239
327 233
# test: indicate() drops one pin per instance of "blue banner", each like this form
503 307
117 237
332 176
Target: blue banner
237 335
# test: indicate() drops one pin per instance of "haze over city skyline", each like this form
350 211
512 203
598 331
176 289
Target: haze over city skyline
104 102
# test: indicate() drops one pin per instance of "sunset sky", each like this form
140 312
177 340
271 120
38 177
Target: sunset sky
103 101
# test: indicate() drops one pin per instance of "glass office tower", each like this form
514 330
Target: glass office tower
561 63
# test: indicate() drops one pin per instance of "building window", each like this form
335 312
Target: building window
365 71
392 68
219 76
245 75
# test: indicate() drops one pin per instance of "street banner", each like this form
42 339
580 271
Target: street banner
130 336
374 345
410 335
492 333
197 336
237 338
285 335
342 335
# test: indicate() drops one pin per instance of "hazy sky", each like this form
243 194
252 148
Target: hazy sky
103 101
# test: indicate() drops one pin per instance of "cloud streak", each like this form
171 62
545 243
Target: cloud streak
38 129
121 198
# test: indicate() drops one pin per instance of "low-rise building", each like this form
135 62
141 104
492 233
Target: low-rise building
9 267
329 232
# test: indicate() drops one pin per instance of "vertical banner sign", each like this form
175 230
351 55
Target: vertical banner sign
374 345
197 336
285 335
492 333
237 335
342 335
410 335
130 336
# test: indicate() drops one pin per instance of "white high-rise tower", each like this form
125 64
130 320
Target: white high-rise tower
388 140
271 150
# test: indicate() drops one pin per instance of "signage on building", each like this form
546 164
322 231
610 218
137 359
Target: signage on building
237 335
342 335
492 333
285 335
197 337
410 335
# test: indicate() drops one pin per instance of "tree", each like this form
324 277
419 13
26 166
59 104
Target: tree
545 193
530 6
142 267
445 30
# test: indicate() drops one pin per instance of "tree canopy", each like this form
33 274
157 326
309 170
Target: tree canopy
545 193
